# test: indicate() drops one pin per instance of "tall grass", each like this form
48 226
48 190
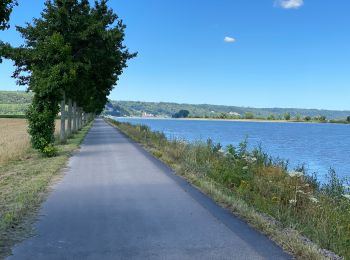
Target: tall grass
296 200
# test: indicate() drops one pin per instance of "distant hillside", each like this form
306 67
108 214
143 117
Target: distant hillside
164 109
16 102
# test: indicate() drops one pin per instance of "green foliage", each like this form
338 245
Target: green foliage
181 114
287 116
73 50
307 118
348 119
41 122
249 115
165 109
6 7
12 116
295 199
271 117
15 97
50 150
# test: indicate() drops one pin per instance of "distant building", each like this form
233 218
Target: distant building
145 114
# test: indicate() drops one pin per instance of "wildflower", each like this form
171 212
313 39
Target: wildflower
296 174
301 191
313 200
293 202
245 168
254 159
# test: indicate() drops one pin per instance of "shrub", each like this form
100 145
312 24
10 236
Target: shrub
287 116
249 115
41 116
50 150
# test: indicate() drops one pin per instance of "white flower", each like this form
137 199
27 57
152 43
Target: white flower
347 196
313 199
292 202
296 174
301 191
245 168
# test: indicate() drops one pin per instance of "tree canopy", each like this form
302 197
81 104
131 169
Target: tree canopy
6 7
181 114
73 52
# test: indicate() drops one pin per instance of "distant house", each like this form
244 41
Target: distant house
145 114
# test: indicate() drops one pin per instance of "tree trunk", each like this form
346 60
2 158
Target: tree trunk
74 117
63 119
79 116
69 123
83 116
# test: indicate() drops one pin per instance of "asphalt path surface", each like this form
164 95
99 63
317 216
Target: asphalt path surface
118 202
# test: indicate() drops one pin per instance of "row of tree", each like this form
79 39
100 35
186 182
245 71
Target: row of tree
73 56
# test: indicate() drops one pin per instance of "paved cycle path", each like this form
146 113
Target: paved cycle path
118 202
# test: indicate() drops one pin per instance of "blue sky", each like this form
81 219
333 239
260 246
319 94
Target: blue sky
288 53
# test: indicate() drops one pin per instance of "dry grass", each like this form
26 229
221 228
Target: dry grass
14 139
24 183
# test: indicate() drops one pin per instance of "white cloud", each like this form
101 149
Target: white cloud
289 4
229 39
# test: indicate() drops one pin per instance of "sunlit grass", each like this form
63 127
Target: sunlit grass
25 176
14 139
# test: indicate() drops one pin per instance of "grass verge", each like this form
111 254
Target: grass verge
287 206
23 186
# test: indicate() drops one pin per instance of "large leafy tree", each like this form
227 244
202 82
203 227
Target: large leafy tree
72 52
6 7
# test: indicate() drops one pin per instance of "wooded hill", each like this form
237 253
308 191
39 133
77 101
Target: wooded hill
15 103
165 109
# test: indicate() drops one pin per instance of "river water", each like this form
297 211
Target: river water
318 146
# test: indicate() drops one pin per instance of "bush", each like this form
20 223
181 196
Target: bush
41 116
50 150
249 115
287 116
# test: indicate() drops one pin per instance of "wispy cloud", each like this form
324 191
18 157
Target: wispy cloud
289 4
229 39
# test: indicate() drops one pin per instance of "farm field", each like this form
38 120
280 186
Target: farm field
25 178
14 139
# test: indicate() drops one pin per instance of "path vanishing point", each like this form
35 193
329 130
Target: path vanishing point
118 202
